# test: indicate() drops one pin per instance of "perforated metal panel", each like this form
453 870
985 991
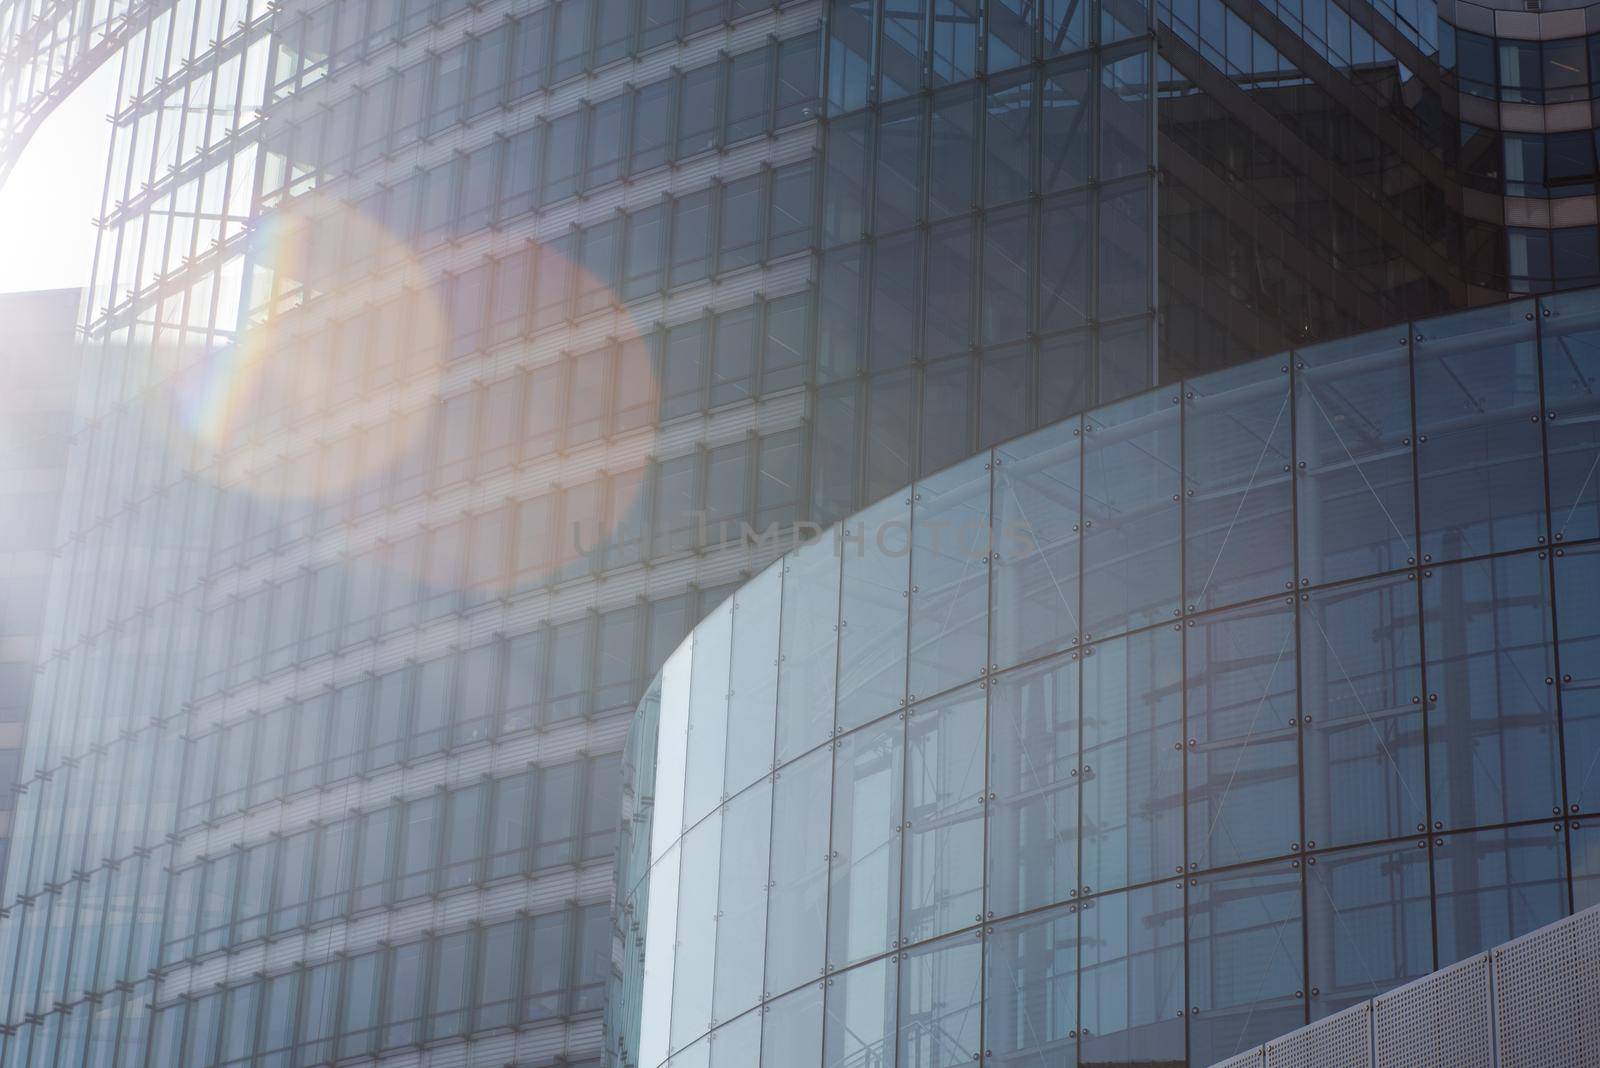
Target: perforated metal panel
1252 1058
1547 995
1343 1040
1439 1021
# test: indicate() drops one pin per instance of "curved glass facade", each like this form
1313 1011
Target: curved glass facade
1146 737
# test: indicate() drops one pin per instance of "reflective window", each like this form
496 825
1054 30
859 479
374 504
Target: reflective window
1368 923
1132 518
864 887
1132 984
950 578
943 861
1246 964
807 655
873 612
941 1008
1033 595
753 678
742 903
1491 885
1494 755
1031 989
859 1016
1362 699
797 900
1033 776
1243 768
1132 769
1479 460
1578 620
1238 494
1353 442
791 1031
1571 363
697 926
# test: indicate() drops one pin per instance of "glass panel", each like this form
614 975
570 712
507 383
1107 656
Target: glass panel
896 279
807 659
1132 767
1571 346
798 896
753 679
1031 991
742 902
1007 274
1066 261
1132 555
1492 740
873 612
947 304
903 48
941 1009
693 969
864 894
1123 268
1353 440
950 578
859 1022
792 1031
1369 923
545 960
1008 144
1492 886
955 41
839 326
1578 620
1361 696
1585 867
1124 118
943 865
953 152
1034 579
1479 452
1238 497
708 715
738 1044
1132 980
901 132
1245 960
1243 774
1033 775
1068 156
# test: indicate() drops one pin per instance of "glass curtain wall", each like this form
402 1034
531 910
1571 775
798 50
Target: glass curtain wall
1143 738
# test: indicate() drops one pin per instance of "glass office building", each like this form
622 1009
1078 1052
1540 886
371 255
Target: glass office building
436 352
1145 737
38 363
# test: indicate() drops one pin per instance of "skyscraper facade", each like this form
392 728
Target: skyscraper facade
38 363
436 353
1150 736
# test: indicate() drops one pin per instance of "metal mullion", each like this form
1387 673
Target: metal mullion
1184 879
772 795
1549 554
907 710
1412 335
1080 432
987 798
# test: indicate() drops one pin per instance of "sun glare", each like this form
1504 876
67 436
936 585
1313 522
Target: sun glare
50 201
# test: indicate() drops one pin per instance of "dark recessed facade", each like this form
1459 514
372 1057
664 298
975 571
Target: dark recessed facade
1144 738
